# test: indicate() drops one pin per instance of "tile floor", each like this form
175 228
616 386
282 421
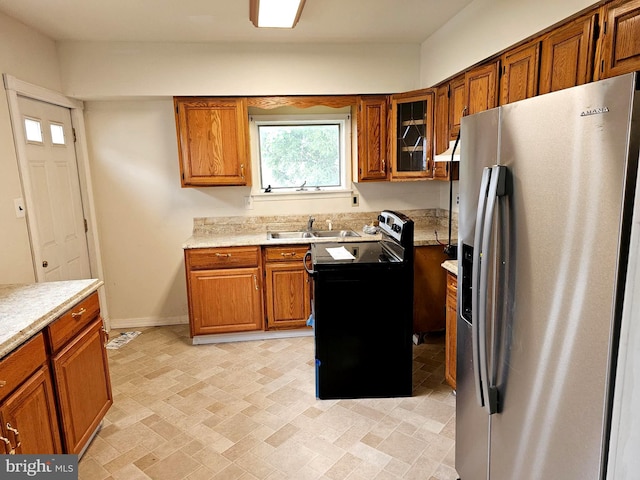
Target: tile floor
247 410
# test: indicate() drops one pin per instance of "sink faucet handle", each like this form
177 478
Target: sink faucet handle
310 222
330 223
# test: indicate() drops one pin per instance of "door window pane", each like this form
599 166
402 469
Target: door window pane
32 130
57 134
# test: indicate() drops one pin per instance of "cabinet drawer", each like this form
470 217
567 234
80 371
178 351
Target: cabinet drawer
285 254
213 258
16 367
75 319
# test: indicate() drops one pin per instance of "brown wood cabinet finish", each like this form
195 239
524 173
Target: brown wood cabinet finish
373 147
567 55
82 381
481 88
287 287
451 329
620 51
28 415
224 288
412 152
520 73
213 141
31 411
441 119
457 105
429 289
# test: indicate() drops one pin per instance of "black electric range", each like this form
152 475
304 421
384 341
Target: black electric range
363 313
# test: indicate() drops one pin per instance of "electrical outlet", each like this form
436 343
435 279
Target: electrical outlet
355 201
458 199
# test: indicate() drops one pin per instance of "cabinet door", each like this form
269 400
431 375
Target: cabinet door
412 133
481 88
225 300
567 55
29 416
621 38
213 138
451 331
441 119
81 373
288 295
372 139
520 73
457 105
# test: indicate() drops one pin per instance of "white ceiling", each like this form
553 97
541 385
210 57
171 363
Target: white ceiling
322 21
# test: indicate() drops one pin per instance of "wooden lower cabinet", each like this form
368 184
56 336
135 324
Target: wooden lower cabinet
224 288
451 330
429 289
53 400
81 374
287 288
28 415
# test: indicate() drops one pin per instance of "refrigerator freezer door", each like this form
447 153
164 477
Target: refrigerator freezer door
472 422
567 155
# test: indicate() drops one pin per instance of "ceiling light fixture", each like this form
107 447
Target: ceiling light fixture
275 13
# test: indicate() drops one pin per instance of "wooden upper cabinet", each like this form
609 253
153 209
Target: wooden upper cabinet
412 135
457 105
481 88
520 73
567 55
620 51
213 141
373 148
441 119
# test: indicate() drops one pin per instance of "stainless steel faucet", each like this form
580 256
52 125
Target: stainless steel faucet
310 223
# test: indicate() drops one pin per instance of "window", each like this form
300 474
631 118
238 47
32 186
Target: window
301 153
57 134
33 132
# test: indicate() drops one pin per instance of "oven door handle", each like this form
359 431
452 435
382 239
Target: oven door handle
304 262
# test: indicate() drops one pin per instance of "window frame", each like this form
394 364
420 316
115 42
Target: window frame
342 119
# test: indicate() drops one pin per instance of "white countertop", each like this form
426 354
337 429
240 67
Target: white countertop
451 266
25 309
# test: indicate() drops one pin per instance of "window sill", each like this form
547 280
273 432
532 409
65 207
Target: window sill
307 195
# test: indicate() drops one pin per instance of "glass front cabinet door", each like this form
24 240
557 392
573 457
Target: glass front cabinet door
412 135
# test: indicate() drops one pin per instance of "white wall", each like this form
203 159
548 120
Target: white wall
32 57
102 70
486 27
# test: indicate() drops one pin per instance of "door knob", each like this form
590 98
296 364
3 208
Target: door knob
45 264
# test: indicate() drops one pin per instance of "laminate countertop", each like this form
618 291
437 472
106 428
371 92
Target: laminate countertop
451 266
26 309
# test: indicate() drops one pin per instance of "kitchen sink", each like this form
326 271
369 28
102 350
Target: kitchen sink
335 233
276 235
312 234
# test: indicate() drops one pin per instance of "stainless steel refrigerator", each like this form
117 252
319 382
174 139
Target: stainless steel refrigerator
546 203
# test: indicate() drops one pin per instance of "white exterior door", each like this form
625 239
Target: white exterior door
59 240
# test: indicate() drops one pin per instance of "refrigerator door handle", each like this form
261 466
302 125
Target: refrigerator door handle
496 189
476 293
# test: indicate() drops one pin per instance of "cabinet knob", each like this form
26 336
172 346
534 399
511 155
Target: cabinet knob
2 383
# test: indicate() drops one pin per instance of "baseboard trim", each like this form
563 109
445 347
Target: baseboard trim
121 323
250 336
